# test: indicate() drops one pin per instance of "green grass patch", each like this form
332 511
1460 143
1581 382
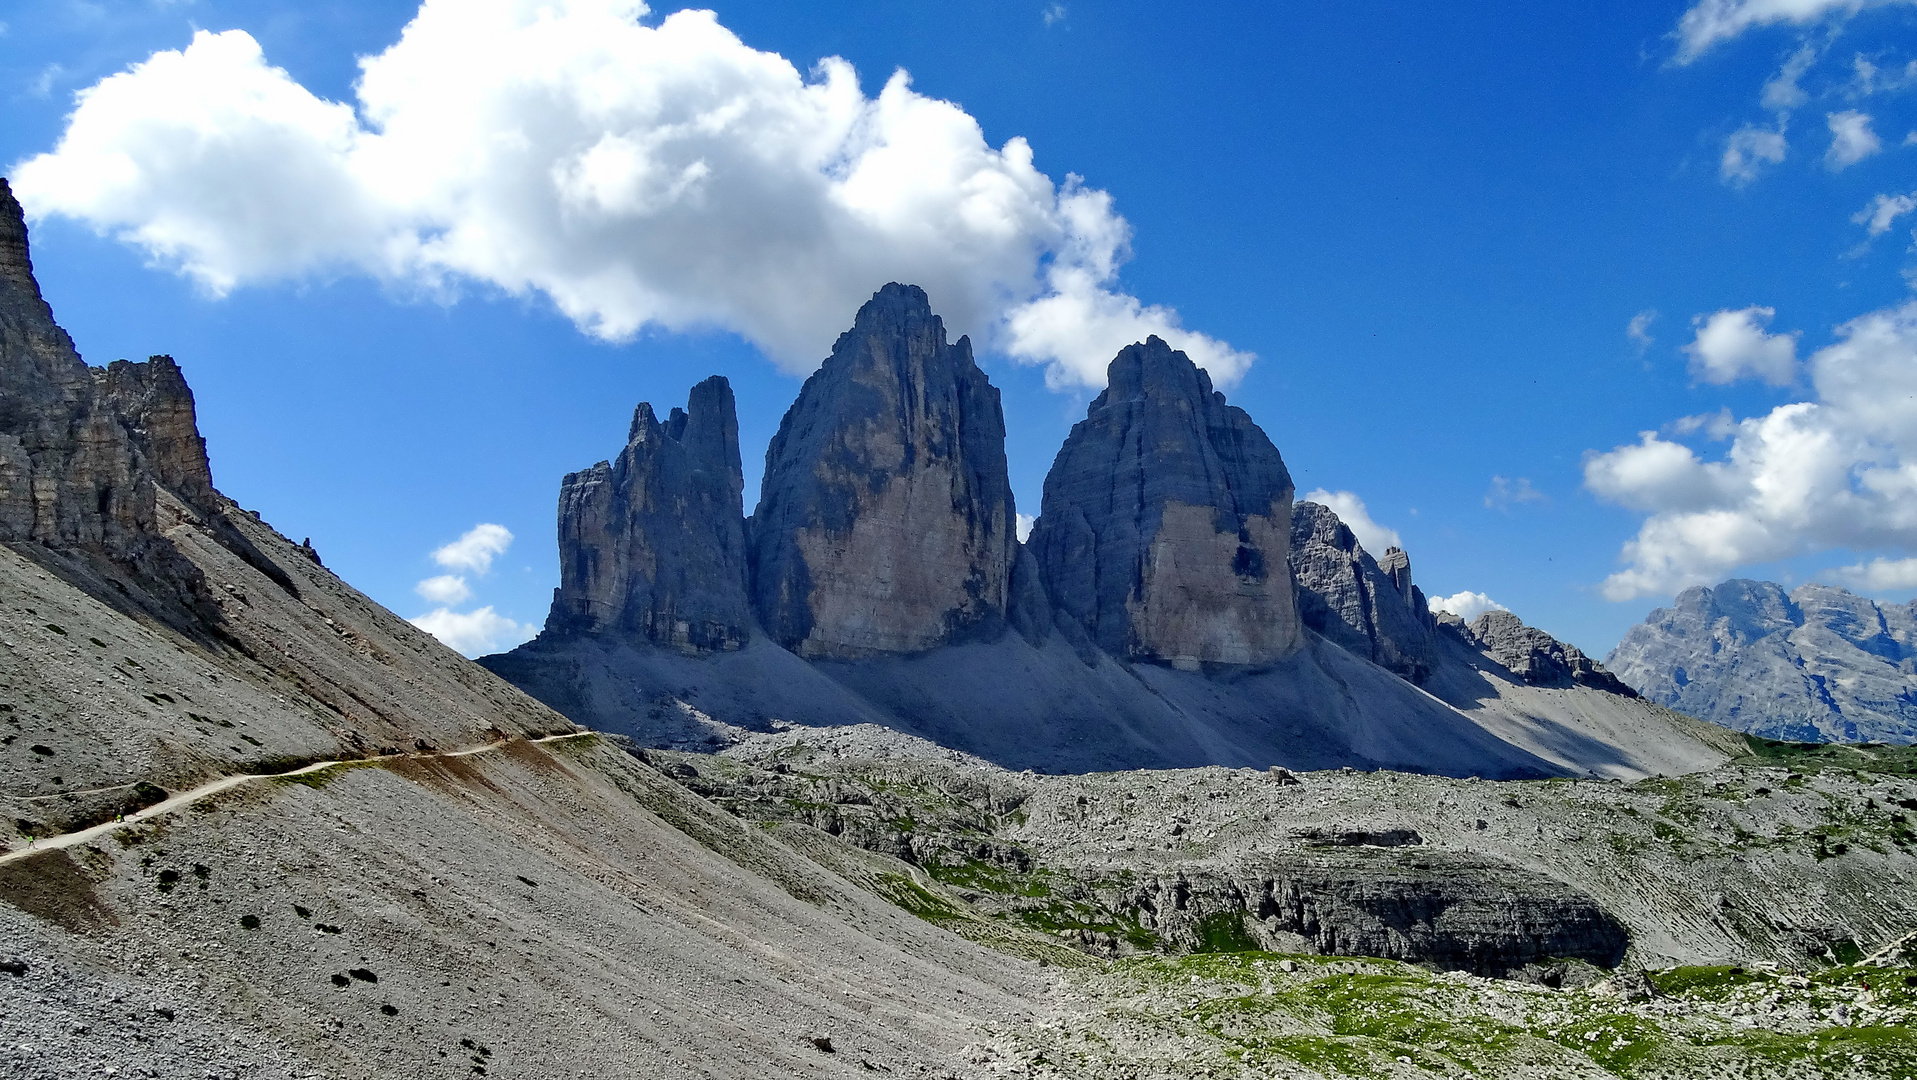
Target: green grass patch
1813 757
1224 932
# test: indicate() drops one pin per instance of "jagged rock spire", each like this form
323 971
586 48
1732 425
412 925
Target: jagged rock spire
653 543
885 524
84 452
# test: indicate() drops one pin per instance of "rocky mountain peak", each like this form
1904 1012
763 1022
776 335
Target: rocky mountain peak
1166 523
652 544
886 524
1367 606
1534 656
85 452
1814 663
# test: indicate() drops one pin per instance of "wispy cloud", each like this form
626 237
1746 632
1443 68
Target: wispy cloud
1748 151
1639 329
1851 140
1506 493
1054 13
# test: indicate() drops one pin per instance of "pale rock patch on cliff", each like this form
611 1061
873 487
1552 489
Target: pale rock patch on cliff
652 545
1817 663
1166 522
886 523
1367 606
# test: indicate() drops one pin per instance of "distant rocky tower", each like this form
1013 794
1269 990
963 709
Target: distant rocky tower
886 521
87 455
652 545
1166 521
1369 607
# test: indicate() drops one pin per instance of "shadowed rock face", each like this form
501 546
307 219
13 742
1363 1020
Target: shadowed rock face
1365 606
1534 656
653 544
1167 521
84 452
885 524
1817 663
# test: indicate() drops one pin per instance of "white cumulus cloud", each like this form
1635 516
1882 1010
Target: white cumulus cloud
1851 140
1836 472
446 590
637 175
1465 605
1351 510
1747 151
1024 526
1731 345
1711 21
475 549
474 633
481 630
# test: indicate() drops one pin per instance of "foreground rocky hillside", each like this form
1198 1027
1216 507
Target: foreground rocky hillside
1172 608
1814 664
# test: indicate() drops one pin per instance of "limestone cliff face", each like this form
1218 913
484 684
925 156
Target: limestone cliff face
653 544
1166 522
886 522
1369 607
1532 655
85 453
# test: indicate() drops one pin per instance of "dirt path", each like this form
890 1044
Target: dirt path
224 783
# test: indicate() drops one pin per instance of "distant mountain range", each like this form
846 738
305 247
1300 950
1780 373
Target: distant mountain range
1815 664
1172 606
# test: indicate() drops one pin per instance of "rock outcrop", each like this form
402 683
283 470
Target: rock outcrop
1814 664
85 453
1366 606
1166 522
652 545
1533 656
885 524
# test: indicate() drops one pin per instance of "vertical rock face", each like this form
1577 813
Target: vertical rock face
1816 663
653 544
1534 656
1369 607
84 452
886 522
1166 522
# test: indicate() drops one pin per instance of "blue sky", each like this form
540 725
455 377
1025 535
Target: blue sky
1433 229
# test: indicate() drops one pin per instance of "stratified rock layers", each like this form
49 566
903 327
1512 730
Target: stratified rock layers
84 452
653 544
1166 522
886 522
1817 663
1353 600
